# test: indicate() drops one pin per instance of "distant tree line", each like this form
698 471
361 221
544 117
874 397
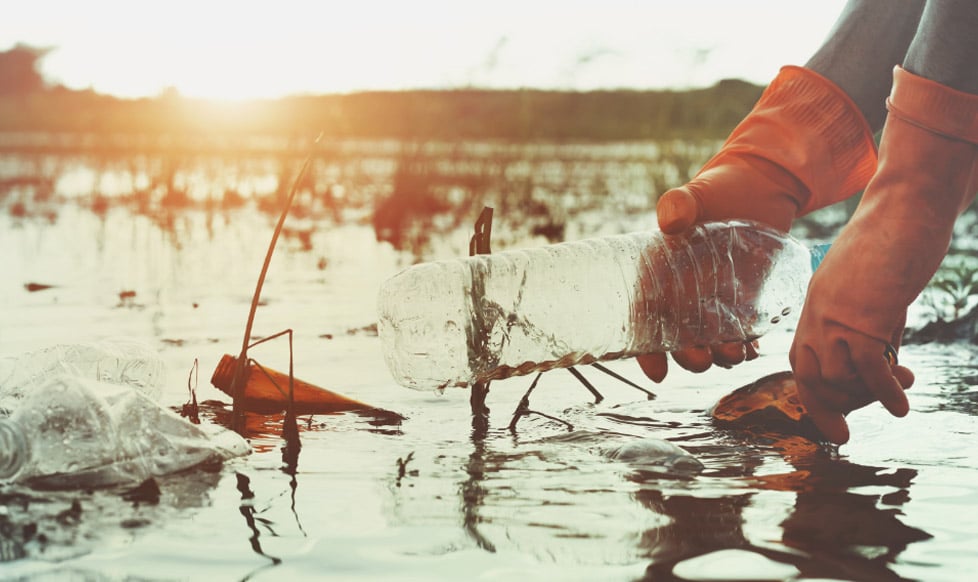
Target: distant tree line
18 70
26 104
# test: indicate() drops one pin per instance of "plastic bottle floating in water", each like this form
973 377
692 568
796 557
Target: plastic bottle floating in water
127 362
453 323
72 432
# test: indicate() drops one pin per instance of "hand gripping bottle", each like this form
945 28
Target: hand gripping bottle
454 323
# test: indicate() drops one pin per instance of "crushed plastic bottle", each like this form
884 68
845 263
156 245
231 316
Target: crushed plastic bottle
87 415
72 432
454 323
127 362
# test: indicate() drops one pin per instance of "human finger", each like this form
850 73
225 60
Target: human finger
829 419
904 376
695 359
876 373
729 354
677 210
858 394
836 366
655 366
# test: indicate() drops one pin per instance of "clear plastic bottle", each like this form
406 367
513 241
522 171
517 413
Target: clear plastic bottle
453 323
70 432
128 362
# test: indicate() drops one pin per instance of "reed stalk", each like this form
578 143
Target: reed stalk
237 383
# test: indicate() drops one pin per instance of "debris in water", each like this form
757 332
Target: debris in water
770 403
35 287
402 468
267 390
653 453
127 298
190 410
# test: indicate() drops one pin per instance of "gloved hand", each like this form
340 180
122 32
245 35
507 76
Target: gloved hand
804 146
886 254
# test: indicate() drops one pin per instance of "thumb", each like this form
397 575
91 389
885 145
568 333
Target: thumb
677 210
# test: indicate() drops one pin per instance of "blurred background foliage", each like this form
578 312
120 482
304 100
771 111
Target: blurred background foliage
28 104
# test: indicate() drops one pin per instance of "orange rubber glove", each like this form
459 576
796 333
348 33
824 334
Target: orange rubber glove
886 254
804 146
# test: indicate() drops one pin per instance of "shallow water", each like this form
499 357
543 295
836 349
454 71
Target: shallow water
431 497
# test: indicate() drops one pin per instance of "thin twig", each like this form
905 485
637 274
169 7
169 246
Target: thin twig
402 468
569 426
290 428
479 245
191 410
237 383
523 409
270 338
597 395
524 406
618 376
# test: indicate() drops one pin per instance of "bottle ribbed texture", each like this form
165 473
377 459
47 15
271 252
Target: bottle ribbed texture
453 323
13 450
125 362
72 432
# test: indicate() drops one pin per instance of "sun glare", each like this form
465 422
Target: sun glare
219 49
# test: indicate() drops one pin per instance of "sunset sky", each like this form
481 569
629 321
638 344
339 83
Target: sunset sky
245 49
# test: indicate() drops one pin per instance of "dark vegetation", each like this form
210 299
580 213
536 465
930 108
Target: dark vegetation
445 115
28 104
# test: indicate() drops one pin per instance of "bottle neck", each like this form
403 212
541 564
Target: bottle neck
818 253
14 450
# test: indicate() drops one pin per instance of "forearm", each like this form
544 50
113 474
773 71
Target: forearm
870 37
946 47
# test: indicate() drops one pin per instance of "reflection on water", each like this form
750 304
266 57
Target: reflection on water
58 526
583 490
409 192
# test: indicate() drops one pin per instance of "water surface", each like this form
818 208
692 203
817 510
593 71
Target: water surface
434 497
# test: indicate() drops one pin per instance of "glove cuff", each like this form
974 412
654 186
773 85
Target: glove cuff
934 107
820 145
837 127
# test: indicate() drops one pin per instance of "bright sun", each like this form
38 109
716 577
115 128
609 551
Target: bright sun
227 49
